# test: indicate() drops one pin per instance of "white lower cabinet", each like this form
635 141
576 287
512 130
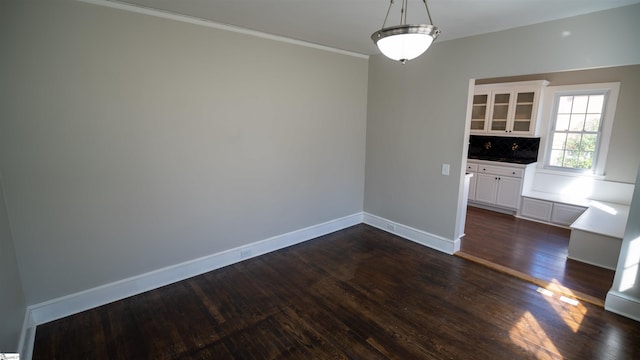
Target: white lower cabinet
498 190
497 184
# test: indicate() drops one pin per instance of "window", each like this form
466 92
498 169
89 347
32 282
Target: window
580 127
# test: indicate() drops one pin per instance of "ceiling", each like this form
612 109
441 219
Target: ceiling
348 24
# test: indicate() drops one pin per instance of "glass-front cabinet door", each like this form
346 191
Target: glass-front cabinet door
479 112
506 109
500 112
522 119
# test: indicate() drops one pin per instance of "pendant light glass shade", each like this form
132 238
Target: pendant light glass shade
404 42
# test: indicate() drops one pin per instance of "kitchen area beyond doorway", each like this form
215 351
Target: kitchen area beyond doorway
530 214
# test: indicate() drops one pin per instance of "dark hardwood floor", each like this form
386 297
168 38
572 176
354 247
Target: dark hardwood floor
359 293
535 249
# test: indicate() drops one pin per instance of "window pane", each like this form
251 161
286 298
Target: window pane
592 123
478 112
588 142
501 98
562 122
480 99
526 97
585 161
524 111
556 158
580 104
595 103
559 141
571 159
577 122
573 141
564 104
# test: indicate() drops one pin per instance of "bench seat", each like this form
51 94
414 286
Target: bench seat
596 233
596 236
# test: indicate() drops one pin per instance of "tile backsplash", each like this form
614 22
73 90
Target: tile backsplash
506 149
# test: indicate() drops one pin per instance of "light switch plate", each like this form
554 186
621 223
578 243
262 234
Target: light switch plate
445 169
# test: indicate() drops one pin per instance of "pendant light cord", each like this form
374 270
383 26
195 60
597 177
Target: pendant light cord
386 16
428 14
403 12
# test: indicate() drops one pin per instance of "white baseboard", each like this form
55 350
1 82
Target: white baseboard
622 304
74 303
594 263
421 237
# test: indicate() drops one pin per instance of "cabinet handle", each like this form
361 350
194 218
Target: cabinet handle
483 169
513 173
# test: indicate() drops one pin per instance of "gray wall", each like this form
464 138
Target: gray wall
12 302
129 143
622 159
417 112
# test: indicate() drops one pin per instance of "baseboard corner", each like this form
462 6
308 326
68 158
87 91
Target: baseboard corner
448 246
623 304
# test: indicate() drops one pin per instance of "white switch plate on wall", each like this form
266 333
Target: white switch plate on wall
445 169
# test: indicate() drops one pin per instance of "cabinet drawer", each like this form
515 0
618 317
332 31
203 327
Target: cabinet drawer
499 170
472 167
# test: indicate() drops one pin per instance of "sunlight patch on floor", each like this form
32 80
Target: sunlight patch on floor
572 315
529 335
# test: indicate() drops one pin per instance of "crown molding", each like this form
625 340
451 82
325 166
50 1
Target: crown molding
215 25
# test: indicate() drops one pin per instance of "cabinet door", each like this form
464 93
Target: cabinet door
566 214
508 194
536 209
523 121
500 111
472 186
486 188
480 112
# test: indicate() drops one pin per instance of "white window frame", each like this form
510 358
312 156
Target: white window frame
552 95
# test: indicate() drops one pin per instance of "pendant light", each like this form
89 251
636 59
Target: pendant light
405 42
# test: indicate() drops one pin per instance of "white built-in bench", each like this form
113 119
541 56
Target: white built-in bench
596 211
596 236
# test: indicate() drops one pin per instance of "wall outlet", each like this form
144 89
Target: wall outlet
245 253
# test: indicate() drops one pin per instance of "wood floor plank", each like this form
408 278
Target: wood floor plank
359 293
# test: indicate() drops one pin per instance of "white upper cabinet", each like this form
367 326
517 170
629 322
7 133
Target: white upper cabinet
509 109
